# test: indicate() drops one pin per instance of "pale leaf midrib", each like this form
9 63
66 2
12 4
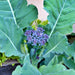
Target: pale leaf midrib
57 19
12 12
54 47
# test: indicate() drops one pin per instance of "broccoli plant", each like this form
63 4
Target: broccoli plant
43 50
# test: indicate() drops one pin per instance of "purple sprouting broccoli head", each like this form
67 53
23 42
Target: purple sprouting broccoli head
27 33
45 36
40 29
37 57
36 37
35 41
29 39
43 42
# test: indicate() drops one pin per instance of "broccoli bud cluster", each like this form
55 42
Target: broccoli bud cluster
36 37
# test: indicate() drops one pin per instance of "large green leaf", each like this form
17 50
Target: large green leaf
69 63
56 44
49 58
57 69
71 50
27 68
22 14
10 33
14 14
10 37
61 18
61 15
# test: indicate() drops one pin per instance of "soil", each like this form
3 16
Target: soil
71 38
7 67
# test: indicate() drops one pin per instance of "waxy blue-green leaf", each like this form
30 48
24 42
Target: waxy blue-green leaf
61 15
10 37
10 33
14 15
57 69
71 50
56 44
69 63
61 18
22 14
27 68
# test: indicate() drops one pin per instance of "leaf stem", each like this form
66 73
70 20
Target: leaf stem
25 48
